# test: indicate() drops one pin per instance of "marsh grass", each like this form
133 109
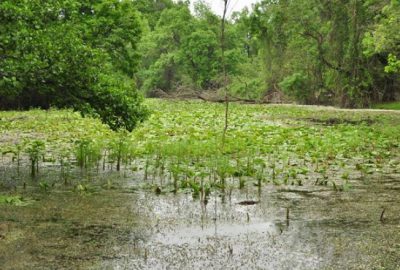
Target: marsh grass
36 151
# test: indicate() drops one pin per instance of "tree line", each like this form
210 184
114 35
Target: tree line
334 52
98 56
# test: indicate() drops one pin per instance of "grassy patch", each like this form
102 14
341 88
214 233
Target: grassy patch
388 106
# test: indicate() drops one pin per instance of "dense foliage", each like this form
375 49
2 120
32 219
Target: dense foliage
342 52
68 53
182 50
91 55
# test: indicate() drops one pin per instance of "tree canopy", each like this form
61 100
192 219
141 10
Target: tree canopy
68 53
96 56
341 52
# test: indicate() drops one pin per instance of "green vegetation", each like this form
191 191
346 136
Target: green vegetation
71 54
95 56
342 53
388 106
180 146
93 175
13 200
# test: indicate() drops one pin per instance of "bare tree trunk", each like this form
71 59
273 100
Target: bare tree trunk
224 71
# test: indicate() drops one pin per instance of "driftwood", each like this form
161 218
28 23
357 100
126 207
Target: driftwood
211 96
230 99
248 202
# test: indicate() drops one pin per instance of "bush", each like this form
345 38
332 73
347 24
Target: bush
296 85
114 102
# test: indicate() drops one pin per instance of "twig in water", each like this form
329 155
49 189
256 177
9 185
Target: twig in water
382 218
287 216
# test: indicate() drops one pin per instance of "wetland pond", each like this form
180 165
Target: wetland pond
290 188
121 227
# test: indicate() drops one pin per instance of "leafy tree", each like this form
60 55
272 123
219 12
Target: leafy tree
162 57
70 53
183 51
201 57
386 36
114 27
336 52
152 9
382 49
321 43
